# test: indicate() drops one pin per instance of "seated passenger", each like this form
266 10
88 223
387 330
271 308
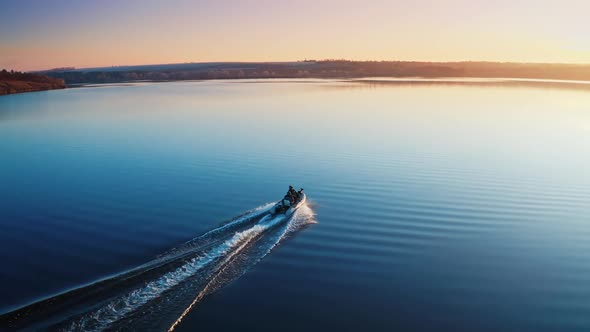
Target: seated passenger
293 194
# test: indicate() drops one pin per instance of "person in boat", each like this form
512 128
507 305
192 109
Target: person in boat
288 197
292 194
290 200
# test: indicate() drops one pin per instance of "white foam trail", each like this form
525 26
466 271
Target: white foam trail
249 215
302 216
223 253
188 245
122 306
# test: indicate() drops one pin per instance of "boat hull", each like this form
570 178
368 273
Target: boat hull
290 210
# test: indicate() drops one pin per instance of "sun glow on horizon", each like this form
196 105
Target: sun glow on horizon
37 35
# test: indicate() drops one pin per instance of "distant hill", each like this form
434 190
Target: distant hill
320 69
17 82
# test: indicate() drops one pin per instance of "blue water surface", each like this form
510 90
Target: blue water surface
440 205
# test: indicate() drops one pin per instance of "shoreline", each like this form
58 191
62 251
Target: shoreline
580 84
28 86
12 82
10 90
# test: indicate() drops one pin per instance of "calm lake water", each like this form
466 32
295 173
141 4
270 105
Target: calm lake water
459 206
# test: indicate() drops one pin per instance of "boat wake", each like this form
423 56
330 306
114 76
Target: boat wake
159 294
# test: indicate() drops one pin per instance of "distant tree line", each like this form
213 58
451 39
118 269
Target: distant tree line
328 69
21 76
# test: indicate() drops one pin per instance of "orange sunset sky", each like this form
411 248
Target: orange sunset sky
38 35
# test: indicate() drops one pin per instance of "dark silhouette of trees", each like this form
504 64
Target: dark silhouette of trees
330 68
16 82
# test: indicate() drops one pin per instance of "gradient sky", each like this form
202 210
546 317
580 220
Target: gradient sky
47 34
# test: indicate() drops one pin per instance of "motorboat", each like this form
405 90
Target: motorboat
288 206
